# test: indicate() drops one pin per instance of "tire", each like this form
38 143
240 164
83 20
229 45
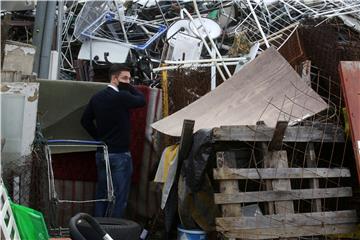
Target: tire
118 229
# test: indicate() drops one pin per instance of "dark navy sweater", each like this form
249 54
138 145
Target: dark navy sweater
110 110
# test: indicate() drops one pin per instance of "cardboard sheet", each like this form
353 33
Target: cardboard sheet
267 89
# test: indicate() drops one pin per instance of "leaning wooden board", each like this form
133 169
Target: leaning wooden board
350 83
266 89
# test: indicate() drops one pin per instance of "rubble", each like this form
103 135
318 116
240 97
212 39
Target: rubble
183 32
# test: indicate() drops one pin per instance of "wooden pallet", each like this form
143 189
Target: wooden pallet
281 220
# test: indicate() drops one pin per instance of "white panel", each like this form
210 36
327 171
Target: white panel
12 118
117 52
54 64
18 116
185 48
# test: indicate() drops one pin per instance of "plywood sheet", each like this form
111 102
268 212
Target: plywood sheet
266 89
350 83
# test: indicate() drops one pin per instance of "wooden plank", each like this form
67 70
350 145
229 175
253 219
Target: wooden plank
286 220
277 138
185 141
269 207
314 183
292 232
226 160
285 195
317 133
350 85
278 161
184 149
279 173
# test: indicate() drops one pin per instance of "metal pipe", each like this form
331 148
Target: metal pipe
292 7
213 73
47 40
258 24
336 14
205 43
193 65
336 10
38 32
59 34
120 10
245 19
205 60
211 40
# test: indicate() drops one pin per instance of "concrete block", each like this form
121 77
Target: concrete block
19 57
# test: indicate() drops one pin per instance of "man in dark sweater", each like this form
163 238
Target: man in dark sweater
109 108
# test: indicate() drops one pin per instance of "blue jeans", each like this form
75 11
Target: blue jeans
121 171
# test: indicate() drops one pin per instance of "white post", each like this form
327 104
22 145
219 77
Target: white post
213 71
258 24
53 66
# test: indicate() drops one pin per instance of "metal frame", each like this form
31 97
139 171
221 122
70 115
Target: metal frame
53 197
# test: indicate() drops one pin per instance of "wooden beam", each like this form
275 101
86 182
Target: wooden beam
226 160
271 233
319 133
279 173
269 206
287 220
284 195
184 149
186 140
314 183
278 161
278 136
350 86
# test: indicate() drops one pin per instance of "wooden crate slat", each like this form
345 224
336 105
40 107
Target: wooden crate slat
286 220
320 133
279 160
295 194
279 173
226 160
269 233
314 183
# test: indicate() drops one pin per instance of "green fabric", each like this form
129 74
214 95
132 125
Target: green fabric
213 15
30 223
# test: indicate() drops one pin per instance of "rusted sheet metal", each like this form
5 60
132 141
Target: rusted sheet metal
350 82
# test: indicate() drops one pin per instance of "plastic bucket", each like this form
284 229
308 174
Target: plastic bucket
193 234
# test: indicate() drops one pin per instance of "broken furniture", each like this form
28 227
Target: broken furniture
299 193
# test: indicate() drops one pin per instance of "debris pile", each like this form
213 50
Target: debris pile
185 34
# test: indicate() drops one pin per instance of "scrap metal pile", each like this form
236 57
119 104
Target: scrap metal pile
160 35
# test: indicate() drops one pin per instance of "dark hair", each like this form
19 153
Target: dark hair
117 68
